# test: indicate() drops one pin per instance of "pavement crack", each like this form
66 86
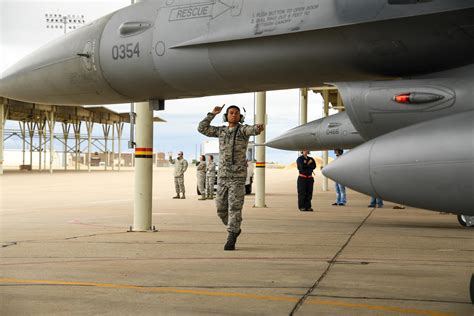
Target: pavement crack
8 244
331 263
92 235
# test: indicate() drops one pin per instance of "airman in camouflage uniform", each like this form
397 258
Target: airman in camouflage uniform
211 177
233 141
201 177
180 167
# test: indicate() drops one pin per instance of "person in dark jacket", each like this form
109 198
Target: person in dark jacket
305 182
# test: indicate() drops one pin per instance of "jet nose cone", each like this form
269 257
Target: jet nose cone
335 131
353 169
298 138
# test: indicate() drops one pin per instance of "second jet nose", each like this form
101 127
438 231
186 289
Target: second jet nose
298 138
353 169
335 131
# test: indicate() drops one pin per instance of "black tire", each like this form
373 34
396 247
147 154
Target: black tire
248 189
461 221
472 288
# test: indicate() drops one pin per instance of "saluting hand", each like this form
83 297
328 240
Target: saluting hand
218 109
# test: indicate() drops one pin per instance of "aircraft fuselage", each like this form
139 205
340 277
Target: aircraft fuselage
174 49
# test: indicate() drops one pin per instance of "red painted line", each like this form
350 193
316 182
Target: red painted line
143 149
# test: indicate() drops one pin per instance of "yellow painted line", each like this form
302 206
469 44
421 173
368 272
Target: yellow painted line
400 310
147 153
311 301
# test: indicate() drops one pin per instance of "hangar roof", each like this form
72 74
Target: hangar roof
24 111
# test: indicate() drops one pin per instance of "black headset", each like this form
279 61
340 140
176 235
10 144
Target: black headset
242 117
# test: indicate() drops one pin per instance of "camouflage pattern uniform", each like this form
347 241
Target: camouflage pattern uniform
180 166
211 178
232 169
201 177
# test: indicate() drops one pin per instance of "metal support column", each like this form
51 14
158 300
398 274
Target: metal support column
260 118
51 123
113 145
89 126
143 168
40 123
2 128
106 130
119 135
23 139
325 153
44 140
76 125
303 106
66 128
31 133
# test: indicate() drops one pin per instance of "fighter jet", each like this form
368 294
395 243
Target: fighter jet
418 137
404 69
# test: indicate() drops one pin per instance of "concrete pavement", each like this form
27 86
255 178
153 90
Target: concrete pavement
66 250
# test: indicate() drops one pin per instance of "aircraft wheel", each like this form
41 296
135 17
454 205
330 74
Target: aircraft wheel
466 221
472 289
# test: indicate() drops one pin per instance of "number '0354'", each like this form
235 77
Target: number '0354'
125 51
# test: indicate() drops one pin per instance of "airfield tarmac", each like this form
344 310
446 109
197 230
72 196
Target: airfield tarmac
66 250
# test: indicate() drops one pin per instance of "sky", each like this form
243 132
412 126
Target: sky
23 29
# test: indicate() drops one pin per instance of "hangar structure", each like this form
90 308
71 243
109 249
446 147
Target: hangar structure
37 122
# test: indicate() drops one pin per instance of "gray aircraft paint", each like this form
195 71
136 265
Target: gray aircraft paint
335 131
427 165
174 49
419 154
371 110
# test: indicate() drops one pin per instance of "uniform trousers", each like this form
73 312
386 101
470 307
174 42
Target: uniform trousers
210 181
305 192
201 183
230 201
179 184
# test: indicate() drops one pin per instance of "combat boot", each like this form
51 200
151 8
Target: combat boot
183 196
202 198
210 197
231 240
177 196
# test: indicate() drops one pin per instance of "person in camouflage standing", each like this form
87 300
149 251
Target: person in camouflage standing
211 177
180 167
201 177
233 141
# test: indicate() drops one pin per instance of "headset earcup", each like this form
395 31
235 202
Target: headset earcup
242 118
224 117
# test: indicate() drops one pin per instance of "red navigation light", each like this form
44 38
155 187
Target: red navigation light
417 98
402 98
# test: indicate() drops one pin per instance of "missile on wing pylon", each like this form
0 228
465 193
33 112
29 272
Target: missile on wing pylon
335 131
427 165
